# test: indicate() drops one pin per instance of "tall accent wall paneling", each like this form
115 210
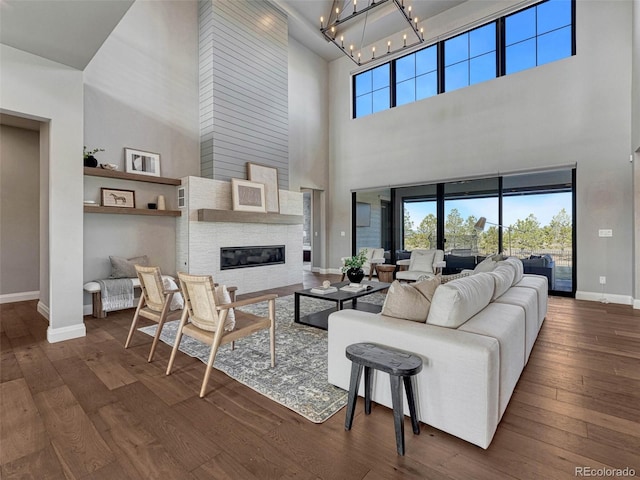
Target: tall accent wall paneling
243 88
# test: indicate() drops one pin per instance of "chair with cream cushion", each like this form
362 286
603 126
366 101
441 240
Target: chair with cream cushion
422 263
204 313
157 303
374 257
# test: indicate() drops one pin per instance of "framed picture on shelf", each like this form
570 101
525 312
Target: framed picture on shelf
112 197
247 196
143 163
269 177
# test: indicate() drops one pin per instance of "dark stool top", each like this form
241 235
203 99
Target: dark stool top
386 359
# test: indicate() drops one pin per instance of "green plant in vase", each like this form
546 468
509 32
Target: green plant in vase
353 266
89 159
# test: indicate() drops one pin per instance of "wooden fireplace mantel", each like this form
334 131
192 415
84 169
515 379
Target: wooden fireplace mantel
233 216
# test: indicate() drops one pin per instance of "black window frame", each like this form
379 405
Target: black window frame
440 52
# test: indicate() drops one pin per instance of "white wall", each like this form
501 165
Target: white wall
19 213
308 118
575 110
47 90
141 91
635 141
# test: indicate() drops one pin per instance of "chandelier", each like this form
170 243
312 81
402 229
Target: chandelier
340 19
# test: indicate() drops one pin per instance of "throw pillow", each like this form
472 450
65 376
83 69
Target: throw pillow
422 261
177 302
427 287
406 302
222 298
125 267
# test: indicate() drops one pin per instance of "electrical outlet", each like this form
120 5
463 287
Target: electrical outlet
603 280
605 232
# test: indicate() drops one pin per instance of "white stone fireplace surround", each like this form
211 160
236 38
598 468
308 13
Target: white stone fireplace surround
198 243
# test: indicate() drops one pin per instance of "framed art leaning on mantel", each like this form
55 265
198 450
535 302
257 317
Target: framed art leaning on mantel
247 196
269 177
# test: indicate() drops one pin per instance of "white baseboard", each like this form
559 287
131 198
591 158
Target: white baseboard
66 333
19 297
326 271
636 304
43 310
605 298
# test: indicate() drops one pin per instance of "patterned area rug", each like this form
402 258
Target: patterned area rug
299 379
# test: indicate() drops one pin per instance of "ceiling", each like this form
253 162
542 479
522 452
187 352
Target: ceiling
72 31
65 31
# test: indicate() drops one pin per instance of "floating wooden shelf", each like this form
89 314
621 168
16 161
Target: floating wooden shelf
101 172
210 215
131 211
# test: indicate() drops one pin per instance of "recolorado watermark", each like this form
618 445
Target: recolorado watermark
604 472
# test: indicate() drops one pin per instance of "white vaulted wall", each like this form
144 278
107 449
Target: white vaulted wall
575 111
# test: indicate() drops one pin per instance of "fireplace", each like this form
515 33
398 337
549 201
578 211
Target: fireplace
243 257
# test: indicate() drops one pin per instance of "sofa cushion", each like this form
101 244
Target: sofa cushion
506 324
489 263
422 260
527 299
125 267
457 301
502 279
410 301
519 268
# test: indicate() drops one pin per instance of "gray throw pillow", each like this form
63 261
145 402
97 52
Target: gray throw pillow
125 267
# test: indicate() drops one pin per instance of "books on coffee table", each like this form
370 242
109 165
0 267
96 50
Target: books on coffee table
355 288
324 290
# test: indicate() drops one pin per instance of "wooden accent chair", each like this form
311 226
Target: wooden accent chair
154 304
207 317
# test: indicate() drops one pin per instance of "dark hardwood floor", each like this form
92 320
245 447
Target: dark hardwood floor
88 409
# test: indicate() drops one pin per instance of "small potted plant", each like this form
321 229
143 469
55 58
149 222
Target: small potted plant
89 159
353 266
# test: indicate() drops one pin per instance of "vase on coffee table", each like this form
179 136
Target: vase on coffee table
355 275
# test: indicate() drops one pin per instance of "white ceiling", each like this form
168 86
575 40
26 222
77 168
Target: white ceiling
71 31
65 31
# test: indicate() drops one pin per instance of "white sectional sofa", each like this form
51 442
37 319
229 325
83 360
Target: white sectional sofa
477 338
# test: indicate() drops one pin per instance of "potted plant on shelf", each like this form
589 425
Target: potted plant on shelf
353 266
89 159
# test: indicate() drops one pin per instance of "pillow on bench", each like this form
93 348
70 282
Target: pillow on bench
125 267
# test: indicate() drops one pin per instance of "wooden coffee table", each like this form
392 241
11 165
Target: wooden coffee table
341 300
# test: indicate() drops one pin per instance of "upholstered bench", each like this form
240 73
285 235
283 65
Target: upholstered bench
96 296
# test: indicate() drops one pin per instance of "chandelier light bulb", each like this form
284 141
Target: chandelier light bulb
321 22
351 49
409 11
404 40
422 33
373 52
355 3
388 46
341 41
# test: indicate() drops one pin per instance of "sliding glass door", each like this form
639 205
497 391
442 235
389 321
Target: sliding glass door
538 208
465 202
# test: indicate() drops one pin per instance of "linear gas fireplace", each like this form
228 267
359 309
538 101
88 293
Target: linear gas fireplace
242 257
